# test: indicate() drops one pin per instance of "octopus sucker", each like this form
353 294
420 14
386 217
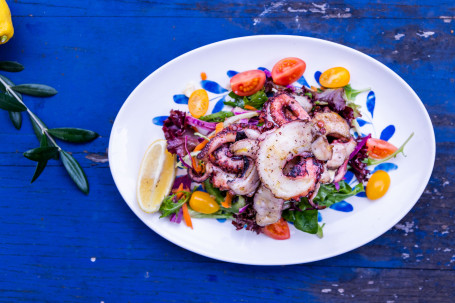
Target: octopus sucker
225 136
225 159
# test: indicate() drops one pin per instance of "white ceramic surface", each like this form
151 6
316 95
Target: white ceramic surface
396 103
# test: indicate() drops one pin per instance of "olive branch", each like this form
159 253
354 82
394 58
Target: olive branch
11 101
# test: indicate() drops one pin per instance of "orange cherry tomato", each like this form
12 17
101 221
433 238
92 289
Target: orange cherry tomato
202 202
335 77
379 149
288 70
378 185
278 230
198 103
248 83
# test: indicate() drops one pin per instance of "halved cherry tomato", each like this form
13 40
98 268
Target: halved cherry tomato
288 70
379 149
202 202
378 185
198 103
335 77
278 230
248 83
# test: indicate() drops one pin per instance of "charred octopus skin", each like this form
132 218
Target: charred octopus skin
277 149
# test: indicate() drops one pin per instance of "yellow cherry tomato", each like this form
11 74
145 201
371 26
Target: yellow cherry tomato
335 77
378 185
202 202
198 103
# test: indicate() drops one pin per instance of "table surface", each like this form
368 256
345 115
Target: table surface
59 245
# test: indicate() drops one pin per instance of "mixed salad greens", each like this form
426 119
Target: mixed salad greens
219 180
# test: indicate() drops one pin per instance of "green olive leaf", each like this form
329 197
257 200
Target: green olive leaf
75 171
16 118
41 153
37 90
9 103
76 135
38 170
11 66
7 81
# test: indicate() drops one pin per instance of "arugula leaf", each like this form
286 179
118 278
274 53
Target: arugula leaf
236 100
256 100
237 205
329 195
370 161
306 221
169 207
217 215
213 191
217 117
351 94
320 233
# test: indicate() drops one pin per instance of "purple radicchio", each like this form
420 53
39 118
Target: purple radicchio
175 129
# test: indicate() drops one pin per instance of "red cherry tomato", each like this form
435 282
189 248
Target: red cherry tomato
278 230
288 70
379 149
248 83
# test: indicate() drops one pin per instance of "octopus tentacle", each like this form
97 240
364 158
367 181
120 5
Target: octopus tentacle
225 136
199 178
284 108
226 160
246 183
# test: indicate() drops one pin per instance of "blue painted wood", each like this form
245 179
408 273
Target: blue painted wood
57 244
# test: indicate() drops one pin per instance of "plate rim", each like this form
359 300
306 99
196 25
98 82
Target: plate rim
374 235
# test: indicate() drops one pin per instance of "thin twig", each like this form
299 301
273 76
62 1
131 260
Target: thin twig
32 115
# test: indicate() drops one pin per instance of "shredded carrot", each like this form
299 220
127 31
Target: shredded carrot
250 107
219 127
314 88
203 76
180 188
197 168
186 216
179 191
200 146
227 201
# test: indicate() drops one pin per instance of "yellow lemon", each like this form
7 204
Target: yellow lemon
6 26
156 176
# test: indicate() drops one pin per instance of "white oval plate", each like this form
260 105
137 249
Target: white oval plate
396 104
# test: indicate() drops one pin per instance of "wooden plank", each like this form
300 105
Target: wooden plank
50 232
236 9
91 278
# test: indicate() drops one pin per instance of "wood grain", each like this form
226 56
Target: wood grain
58 245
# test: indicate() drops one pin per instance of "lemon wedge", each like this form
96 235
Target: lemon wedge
156 176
